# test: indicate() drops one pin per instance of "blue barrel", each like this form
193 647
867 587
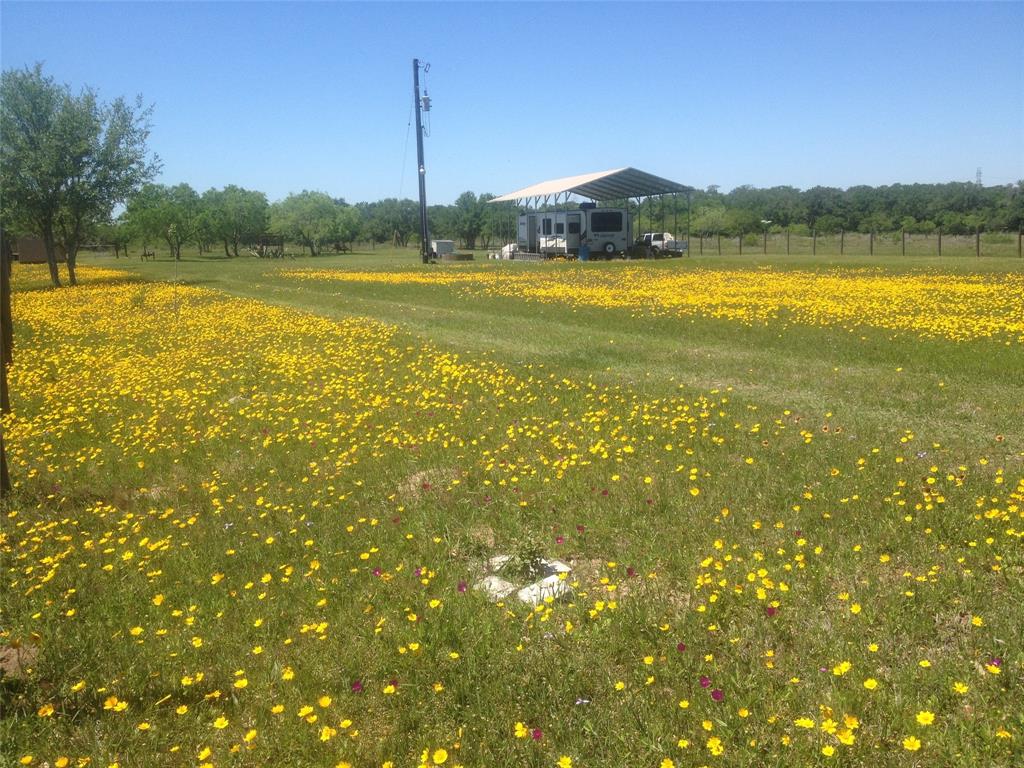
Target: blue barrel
584 253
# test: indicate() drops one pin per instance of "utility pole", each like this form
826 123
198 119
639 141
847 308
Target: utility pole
423 104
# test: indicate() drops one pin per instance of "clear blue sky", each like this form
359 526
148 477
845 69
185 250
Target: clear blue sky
285 96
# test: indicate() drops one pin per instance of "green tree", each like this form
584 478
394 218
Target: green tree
307 218
470 217
168 213
67 160
235 215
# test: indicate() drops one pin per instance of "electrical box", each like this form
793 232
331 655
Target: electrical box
442 247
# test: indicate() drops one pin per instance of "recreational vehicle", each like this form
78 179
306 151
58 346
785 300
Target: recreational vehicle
603 230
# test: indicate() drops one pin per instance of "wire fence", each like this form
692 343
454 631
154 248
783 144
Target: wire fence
898 243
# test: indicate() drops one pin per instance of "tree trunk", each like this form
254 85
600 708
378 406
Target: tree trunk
72 258
234 246
227 253
51 255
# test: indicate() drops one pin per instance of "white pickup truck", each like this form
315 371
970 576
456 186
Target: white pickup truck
661 241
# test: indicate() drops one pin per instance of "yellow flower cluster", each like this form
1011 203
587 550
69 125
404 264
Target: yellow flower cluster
925 304
251 524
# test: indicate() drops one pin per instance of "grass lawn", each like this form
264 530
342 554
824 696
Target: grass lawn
254 497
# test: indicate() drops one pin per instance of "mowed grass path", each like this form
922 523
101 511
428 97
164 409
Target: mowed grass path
249 536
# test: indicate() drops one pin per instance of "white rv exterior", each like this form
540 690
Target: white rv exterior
604 230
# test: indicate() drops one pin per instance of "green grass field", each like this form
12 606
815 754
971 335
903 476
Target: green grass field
253 503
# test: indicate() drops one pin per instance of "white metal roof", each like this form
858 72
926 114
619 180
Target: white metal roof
605 185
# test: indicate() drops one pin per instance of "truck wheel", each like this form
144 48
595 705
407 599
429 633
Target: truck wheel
608 248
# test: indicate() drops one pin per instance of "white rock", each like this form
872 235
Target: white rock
496 587
550 586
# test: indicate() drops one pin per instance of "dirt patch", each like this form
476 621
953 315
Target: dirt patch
16 659
418 483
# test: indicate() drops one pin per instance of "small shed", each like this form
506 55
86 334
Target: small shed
30 250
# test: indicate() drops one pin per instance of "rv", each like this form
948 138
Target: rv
603 230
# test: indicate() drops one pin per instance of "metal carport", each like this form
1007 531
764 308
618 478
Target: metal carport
617 184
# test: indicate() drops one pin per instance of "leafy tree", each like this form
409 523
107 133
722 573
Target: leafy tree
470 217
67 160
348 224
309 218
395 220
235 215
116 233
168 213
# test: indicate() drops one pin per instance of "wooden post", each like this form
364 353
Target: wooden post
6 344
814 242
701 243
1020 237
740 241
903 241
787 241
719 243
764 247
871 243
977 242
842 241
940 241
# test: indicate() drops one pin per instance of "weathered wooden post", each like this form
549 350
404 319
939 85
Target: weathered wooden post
764 247
739 241
6 345
701 243
814 242
977 242
842 241
787 241
903 241
719 243
940 241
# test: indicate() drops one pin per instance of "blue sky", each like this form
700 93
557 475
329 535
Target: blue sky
282 97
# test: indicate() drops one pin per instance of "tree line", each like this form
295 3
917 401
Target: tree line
75 170
956 207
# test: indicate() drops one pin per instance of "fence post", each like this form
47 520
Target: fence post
740 241
871 243
842 241
903 241
977 242
814 242
701 243
764 247
719 243
940 241
787 242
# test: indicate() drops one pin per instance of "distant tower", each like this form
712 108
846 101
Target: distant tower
977 177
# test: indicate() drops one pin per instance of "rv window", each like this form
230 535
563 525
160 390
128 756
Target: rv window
547 227
574 227
560 228
606 221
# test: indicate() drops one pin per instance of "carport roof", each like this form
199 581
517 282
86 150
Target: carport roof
605 185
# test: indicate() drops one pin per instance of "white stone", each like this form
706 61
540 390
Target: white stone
550 586
496 587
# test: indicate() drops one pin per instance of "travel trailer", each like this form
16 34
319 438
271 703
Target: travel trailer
604 231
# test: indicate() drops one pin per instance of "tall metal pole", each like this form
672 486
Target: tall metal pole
424 233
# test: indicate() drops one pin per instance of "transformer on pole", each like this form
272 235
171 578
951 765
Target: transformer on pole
424 106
